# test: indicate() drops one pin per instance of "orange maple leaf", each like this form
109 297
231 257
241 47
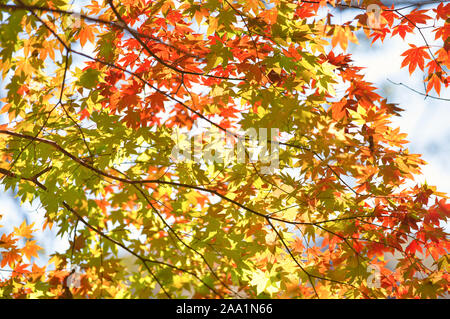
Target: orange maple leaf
415 57
21 269
31 249
87 33
10 257
435 82
7 241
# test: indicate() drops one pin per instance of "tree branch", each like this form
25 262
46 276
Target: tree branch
418 92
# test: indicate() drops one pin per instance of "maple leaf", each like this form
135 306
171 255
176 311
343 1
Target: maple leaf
24 230
444 207
7 241
21 269
87 33
157 100
413 247
260 280
95 148
31 249
415 57
298 245
434 82
342 35
402 30
10 258
417 17
79 243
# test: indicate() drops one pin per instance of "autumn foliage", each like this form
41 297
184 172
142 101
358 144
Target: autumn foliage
93 94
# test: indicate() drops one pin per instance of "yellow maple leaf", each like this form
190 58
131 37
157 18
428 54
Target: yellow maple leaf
341 35
260 280
24 230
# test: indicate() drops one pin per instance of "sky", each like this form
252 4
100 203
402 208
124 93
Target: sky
425 120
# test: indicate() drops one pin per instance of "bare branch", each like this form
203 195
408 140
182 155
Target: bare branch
418 92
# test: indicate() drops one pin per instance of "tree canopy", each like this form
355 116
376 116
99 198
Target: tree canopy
101 97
